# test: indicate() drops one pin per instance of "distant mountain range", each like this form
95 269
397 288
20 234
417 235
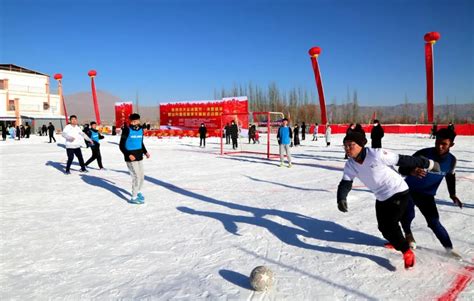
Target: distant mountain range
81 104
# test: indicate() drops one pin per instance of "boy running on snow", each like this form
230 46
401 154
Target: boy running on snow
133 149
423 186
374 168
74 141
94 134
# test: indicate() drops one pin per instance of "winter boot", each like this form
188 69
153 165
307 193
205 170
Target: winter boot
409 259
411 240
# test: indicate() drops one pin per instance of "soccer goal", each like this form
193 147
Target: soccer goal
257 133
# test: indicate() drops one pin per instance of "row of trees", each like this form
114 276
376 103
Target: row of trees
301 105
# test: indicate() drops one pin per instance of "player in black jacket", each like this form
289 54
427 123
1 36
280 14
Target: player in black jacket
95 136
133 149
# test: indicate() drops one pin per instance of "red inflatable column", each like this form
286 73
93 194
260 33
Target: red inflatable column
314 53
430 39
59 77
92 74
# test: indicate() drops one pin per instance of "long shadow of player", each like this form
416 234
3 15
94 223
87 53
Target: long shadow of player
286 185
308 227
107 185
62 167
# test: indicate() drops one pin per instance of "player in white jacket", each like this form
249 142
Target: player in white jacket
374 167
74 141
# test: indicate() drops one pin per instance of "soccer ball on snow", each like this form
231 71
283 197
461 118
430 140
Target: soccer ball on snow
261 278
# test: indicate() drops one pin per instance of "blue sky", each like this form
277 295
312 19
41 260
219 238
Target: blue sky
183 50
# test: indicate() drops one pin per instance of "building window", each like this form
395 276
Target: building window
11 105
2 84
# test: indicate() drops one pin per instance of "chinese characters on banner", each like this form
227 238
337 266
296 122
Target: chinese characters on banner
189 115
122 111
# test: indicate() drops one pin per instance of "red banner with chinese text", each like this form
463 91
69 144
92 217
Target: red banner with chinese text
122 111
190 115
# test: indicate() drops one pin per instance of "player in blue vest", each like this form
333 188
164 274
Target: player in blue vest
423 186
133 149
95 136
373 167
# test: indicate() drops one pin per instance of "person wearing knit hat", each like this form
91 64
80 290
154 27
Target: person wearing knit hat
373 167
357 138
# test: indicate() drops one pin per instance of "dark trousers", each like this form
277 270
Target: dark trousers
427 205
234 143
70 156
389 214
51 137
376 143
227 139
303 135
202 141
95 155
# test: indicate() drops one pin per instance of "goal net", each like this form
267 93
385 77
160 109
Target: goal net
257 133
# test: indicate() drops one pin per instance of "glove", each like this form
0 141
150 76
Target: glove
434 166
342 205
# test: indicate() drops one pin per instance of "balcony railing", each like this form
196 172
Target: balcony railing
27 89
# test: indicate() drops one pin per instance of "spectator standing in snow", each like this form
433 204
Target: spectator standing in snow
328 134
376 134
27 130
4 132
227 133
315 133
234 134
51 132
434 129
202 135
451 126
284 137
303 131
18 132
296 135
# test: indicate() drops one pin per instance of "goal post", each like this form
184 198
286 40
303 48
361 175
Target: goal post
265 125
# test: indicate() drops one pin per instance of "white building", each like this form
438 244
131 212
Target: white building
26 96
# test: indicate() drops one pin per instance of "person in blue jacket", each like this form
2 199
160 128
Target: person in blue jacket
284 137
133 149
95 136
423 186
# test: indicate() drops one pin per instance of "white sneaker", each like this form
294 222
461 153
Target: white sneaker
453 253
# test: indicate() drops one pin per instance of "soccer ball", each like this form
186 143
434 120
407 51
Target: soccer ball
261 278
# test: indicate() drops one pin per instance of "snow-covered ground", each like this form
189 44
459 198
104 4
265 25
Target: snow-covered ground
209 220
